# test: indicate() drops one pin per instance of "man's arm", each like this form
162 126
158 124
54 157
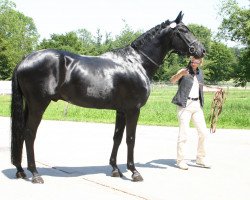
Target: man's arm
178 75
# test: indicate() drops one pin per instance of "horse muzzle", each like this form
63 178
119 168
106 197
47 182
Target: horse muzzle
197 51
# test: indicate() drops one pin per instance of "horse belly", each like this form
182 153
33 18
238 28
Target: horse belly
121 97
87 95
116 88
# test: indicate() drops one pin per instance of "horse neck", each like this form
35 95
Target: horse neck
152 58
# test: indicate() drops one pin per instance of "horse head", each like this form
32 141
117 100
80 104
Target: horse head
172 36
183 41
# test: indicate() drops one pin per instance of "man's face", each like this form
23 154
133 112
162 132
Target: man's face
195 63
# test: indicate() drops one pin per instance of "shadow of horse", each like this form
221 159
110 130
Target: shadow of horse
160 163
66 171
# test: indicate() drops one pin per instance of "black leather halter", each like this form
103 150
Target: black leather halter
190 45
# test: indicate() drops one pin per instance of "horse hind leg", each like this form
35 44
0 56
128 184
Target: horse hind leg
35 112
119 129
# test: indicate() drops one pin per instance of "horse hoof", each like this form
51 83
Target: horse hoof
21 175
37 179
137 177
116 173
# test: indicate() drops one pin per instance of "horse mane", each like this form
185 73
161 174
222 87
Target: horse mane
149 35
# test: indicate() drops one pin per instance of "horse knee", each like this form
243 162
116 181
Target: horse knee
130 140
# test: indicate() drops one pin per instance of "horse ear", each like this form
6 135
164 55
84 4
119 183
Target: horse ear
179 18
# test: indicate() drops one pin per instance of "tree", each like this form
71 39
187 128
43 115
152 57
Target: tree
236 22
219 63
18 36
203 34
241 72
68 42
79 42
126 37
236 27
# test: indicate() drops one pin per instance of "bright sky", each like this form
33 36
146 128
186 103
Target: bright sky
58 16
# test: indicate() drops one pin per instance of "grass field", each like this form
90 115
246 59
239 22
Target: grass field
158 111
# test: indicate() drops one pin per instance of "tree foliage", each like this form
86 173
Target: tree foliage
126 37
219 63
241 72
203 34
18 36
68 42
236 22
235 26
83 42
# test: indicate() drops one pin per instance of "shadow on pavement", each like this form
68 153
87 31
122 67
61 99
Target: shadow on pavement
65 171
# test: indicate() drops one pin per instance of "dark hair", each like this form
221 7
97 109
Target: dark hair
190 69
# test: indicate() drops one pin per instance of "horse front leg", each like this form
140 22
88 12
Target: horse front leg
119 130
131 123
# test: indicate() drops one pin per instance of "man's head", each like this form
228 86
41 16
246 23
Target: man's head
196 62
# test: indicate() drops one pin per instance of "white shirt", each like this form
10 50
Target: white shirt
194 92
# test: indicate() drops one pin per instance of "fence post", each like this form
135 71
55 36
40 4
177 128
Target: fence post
66 107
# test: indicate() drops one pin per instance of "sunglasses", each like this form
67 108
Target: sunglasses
195 62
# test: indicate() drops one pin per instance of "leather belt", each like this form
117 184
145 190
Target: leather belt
193 99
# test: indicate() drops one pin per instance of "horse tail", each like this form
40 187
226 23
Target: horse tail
17 121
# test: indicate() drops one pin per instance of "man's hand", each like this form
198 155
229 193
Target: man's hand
180 73
183 72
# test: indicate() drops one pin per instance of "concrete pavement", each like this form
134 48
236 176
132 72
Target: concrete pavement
73 157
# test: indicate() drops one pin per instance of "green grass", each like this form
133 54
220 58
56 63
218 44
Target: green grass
158 111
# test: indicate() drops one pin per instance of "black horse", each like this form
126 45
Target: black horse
118 80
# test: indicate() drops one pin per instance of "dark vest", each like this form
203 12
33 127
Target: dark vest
184 87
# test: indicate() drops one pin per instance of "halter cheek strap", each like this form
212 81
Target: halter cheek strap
190 45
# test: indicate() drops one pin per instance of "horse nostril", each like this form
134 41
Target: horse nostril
204 51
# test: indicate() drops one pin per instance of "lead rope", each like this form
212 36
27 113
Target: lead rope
216 108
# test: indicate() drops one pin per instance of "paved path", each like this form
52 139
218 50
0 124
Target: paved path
73 157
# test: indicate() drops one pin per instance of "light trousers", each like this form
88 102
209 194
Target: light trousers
194 112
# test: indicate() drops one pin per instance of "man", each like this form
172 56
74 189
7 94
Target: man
190 100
